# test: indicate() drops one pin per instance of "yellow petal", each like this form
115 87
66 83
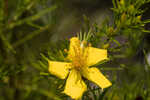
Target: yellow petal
94 75
60 69
74 47
95 55
75 87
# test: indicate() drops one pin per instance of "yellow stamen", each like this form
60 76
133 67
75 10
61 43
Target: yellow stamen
79 59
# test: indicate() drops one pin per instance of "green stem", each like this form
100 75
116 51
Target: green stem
112 69
32 18
30 36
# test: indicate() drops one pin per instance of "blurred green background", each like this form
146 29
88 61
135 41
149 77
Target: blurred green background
33 30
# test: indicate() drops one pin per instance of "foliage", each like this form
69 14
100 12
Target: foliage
28 38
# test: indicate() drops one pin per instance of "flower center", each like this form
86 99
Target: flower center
79 62
79 59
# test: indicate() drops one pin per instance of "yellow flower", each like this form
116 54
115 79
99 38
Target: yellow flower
81 58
